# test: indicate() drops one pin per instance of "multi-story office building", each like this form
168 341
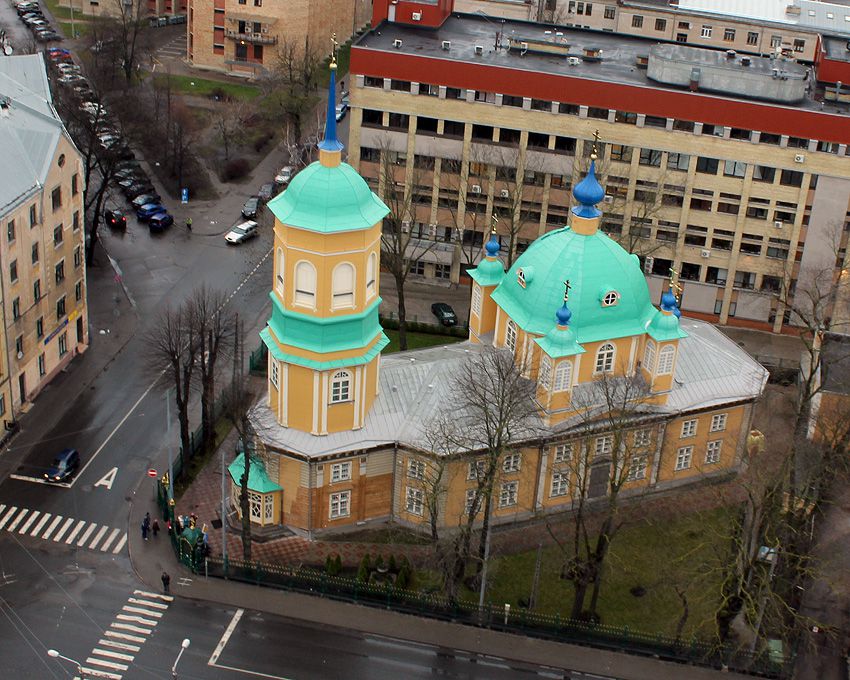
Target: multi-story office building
731 169
42 265
245 36
130 8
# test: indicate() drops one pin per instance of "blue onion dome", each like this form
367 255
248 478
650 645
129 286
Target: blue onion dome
668 302
588 193
563 315
492 247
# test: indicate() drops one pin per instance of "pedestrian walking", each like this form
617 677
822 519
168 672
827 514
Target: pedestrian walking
144 531
146 525
166 581
189 223
155 527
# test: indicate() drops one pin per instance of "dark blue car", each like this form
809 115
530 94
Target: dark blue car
64 465
148 210
160 222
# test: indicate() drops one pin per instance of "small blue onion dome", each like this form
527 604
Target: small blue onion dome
588 193
668 301
563 315
492 247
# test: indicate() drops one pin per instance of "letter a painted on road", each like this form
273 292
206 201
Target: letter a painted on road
108 479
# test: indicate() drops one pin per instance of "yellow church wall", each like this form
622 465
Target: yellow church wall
341 415
485 322
301 397
622 352
320 243
371 372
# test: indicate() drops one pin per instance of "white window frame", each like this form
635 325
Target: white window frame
643 437
706 31
275 373
255 505
684 457
416 468
268 508
637 468
476 469
563 453
281 272
470 499
510 335
414 501
604 445
305 284
340 387
605 358
563 376
511 462
718 422
476 299
713 450
340 472
545 374
508 494
560 485
666 359
610 299
339 505
689 429
371 275
649 356
342 289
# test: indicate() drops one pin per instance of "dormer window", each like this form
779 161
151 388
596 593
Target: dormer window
524 276
611 298
520 277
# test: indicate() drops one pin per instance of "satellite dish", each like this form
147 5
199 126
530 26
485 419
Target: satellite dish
7 50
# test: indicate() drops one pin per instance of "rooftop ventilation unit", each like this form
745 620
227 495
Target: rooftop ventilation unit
745 61
397 44
573 61
731 54
447 44
479 49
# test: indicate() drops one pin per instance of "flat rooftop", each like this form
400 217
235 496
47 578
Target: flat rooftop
618 64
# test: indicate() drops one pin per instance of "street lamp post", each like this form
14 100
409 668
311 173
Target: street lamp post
183 647
53 654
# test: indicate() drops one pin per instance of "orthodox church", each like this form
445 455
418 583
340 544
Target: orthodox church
341 437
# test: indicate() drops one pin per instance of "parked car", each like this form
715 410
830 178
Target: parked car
140 188
148 210
115 219
139 201
284 176
252 205
241 232
341 110
266 192
160 222
444 313
64 466
48 35
71 79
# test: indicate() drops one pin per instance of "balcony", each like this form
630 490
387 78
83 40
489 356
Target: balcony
256 38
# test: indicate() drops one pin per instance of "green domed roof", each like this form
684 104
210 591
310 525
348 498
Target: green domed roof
595 265
328 200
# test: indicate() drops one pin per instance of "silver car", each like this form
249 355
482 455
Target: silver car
241 232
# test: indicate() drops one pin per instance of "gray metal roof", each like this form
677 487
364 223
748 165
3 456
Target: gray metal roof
416 387
30 128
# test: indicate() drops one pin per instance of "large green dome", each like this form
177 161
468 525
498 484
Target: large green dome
595 266
328 200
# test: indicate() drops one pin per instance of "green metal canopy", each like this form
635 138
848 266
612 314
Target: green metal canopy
328 200
258 478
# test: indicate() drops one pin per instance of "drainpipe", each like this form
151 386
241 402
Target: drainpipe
392 487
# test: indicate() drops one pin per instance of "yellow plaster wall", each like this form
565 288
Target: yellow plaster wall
300 398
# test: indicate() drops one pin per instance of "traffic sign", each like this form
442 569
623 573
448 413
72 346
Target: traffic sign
151 473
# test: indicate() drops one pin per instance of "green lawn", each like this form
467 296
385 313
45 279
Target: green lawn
204 88
658 557
417 340
81 27
63 12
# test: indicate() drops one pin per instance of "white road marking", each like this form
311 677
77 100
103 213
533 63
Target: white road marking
109 540
219 648
107 664
119 645
86 534
21 515
127 626
124 636
247 672
109 654
97 538
28 523
65 527
8 516
80 524
136 619
95 673
141 610
41 523
52 526
2 508
120 545
39 480
156 596
108 479
146 603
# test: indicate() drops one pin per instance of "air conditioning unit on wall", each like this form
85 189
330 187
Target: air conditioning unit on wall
705 253
800 158
778 224
475 189
416 16
504 193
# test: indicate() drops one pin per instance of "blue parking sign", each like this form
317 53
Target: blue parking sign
184 195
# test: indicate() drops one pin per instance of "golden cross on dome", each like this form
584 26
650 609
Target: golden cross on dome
674 283
567 287
334 46
594 154
494 218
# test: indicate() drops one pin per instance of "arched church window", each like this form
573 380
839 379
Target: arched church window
545 372
343 286
649 356
563 376
371 273
305 284
476 299
611 298
510 336
665 360
281 270
605 358
340 387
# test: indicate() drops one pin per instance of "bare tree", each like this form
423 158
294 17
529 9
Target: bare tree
128 28
228 121
290 88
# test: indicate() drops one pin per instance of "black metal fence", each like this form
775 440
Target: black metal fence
517 620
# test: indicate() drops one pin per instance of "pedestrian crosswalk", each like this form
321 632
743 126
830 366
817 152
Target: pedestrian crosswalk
59 529
121 642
